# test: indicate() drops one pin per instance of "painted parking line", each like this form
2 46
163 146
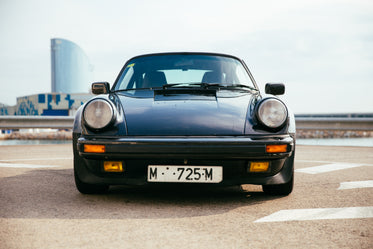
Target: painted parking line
356 184
37 159
323 162
319 214
29 166
329 168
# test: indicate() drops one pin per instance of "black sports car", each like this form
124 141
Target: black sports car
195 118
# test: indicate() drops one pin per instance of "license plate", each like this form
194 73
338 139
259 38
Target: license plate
192 174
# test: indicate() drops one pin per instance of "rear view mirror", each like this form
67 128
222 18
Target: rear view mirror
100 87
275 88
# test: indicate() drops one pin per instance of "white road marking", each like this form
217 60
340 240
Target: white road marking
329 167
313 161
357 184
29 166
319 214
37 159
324 162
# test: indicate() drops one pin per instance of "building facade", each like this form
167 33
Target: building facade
71 81
47 104
70 68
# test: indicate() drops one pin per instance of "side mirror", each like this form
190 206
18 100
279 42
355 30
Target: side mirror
100 87
275 88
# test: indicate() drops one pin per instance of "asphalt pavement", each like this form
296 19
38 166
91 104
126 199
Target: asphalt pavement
331 206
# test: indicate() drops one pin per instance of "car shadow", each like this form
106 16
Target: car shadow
51 193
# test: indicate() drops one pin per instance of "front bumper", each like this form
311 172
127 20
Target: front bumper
232 153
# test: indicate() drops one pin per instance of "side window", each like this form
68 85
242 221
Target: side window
241 76
126 78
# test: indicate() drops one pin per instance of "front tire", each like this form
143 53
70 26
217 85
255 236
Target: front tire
279 189
84 188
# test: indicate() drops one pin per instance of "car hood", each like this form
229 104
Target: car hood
185 114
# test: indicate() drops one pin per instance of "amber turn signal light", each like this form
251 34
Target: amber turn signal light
94 148
259 166
276 148
113 166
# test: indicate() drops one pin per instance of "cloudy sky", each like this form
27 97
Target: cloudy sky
321 49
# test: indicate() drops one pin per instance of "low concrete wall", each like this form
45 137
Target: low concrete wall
301 133
307 127
56 135
348 124
67 135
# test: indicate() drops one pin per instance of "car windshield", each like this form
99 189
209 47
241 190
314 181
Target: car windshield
182 70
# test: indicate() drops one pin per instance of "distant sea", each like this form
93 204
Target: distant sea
361 142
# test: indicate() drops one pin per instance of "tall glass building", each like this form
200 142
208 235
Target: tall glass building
71 70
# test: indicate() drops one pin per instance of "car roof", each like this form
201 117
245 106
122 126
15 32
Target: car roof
187 53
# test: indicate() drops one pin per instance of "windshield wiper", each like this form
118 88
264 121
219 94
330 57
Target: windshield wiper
132 89
241 86
190 85
193 85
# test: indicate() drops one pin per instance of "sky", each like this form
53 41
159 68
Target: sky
322 50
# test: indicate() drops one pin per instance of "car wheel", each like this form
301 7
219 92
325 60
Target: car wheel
279 189
84 188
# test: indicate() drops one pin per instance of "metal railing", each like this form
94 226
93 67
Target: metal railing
324 123
302 123
34 122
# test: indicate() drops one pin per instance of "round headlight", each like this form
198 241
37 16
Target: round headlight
98 113
272 113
